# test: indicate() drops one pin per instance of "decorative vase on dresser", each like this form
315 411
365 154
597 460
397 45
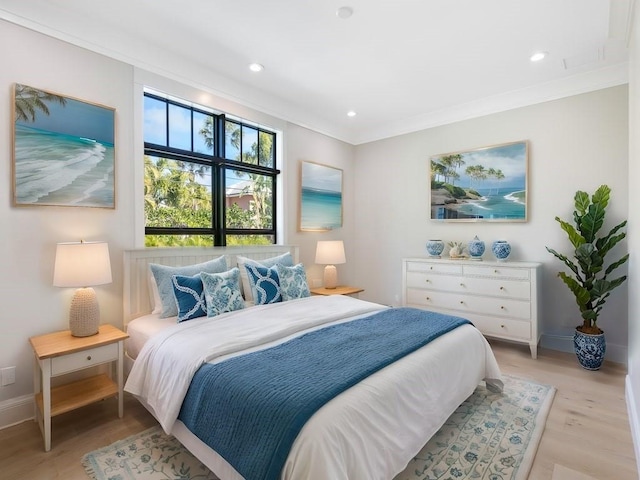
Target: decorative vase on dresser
435 248
501 249
476 248
500 299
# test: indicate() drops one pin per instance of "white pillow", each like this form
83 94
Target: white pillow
285 259
154 294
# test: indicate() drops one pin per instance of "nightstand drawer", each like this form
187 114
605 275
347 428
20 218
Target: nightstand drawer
86 358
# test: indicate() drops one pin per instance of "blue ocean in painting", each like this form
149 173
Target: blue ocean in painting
507 203
322 209
58 169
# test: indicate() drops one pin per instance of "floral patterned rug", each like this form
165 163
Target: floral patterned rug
491 436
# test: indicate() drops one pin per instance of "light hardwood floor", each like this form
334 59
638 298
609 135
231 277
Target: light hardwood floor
587 433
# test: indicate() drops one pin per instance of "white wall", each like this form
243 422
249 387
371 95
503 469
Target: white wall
633 377
31 305
575 143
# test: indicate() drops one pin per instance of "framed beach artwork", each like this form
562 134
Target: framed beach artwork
487 184
63 150
320 197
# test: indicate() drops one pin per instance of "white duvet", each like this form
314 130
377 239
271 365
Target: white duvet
369 431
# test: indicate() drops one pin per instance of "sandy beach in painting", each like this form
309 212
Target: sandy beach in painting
57 169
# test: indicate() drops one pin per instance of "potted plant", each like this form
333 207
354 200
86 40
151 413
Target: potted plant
589 280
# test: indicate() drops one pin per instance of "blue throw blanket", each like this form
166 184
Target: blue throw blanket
251 408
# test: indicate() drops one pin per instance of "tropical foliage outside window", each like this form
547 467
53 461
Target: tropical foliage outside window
209 180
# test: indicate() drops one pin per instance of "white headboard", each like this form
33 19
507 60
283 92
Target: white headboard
136 268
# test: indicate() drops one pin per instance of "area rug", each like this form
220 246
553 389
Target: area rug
491 436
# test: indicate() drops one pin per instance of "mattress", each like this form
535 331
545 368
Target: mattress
142 329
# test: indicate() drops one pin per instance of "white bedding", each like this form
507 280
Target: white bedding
142 329
370 431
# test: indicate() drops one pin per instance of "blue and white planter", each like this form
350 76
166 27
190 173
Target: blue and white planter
590 349
476 248
435 248
501 249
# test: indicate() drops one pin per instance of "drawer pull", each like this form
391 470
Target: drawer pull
427 298
461 302
501 288
495 271
501 326
501 307
462 284
427 281
431 268
88 357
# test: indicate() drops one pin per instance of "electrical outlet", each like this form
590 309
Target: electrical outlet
8 375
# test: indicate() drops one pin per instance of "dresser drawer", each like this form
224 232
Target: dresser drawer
86 358
465 305
506 328
433 281
443 268
500 288
496 271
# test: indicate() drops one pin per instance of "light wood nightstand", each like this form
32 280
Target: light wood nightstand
60 353
339 290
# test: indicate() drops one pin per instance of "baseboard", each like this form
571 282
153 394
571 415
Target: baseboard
634 422
16 410
563 342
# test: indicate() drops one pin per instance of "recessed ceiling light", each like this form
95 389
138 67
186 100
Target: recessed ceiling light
536 57
256 67
351 113
344 12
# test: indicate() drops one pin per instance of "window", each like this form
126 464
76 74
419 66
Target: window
208 180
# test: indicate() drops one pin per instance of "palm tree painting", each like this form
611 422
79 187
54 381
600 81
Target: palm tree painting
485 184
64 151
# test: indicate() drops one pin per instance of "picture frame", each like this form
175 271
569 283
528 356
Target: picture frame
63 150
320 197
487 184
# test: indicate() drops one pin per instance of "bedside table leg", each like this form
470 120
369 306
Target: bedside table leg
120 375
46 404
534 351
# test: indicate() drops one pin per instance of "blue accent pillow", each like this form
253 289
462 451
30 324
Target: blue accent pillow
284 259
293 282
189 294
265 285
163 275
222 292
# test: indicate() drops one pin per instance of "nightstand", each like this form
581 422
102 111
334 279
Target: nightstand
60 353
339 290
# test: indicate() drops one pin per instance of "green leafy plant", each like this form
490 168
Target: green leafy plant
590 282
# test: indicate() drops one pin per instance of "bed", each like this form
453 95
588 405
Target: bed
371 429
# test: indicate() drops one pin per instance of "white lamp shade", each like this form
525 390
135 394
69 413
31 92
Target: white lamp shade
82 264
330 252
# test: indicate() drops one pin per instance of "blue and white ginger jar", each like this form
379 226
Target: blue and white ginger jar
435 248
501 249
590 349
476 248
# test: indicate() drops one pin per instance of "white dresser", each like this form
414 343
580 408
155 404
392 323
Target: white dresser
500 298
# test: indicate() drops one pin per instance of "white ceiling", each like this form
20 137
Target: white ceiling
402 65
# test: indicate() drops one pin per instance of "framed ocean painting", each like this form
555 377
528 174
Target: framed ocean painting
487 184
320 197
63 150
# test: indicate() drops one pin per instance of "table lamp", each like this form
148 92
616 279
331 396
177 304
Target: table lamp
330 253
82 264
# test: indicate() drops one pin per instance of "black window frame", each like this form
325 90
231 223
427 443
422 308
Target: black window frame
219 165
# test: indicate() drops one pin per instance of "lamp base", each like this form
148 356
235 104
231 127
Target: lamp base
84 315
330 277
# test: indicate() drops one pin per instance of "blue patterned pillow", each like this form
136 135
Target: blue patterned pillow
265 285
284 259
293 282
222 292
163 274
189 295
